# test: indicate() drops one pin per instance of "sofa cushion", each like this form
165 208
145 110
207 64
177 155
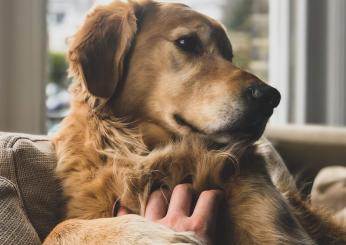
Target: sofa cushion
307 149
28 161
15 227
329 191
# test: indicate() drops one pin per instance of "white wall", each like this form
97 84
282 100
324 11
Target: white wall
22 65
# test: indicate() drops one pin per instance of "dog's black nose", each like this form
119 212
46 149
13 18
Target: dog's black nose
264 95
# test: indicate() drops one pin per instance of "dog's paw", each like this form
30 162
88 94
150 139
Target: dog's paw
128 229
139 230
276 167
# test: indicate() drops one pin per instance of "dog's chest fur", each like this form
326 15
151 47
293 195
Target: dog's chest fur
96 169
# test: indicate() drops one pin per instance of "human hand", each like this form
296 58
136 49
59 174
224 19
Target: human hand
180 215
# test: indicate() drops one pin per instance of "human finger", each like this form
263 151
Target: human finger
181 200
157 205
207 205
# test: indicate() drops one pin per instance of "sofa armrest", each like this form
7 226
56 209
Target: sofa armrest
307 149
14 223
28 161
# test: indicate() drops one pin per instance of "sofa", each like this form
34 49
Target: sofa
308 149
31 202
30 195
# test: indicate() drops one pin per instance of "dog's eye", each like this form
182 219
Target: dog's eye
190 44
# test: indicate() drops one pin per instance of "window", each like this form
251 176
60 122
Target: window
248 24
308 60
60 17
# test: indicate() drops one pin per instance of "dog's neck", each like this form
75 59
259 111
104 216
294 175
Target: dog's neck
154 135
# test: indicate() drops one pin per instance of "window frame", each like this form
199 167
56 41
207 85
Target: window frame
308 59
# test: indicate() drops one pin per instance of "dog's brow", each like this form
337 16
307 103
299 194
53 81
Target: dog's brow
181 31
182 5
223 43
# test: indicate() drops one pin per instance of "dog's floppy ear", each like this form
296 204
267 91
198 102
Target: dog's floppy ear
98 50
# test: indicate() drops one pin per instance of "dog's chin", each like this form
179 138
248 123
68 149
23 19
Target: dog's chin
243 133
233 137
246 132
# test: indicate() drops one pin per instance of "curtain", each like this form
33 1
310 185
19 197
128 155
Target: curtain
22 65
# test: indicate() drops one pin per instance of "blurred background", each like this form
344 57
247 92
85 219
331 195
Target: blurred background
298 46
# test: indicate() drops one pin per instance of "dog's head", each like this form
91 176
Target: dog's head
169 68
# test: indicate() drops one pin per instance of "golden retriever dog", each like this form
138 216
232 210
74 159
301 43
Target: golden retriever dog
156 101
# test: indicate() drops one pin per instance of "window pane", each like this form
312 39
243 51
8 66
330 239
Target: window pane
248 25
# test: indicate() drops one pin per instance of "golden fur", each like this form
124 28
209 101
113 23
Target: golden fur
121 141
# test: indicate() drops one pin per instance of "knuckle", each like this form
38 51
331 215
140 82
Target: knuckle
199 226
171 221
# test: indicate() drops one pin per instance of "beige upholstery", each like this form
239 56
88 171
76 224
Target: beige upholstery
29 190
15 227
329 191
307 149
